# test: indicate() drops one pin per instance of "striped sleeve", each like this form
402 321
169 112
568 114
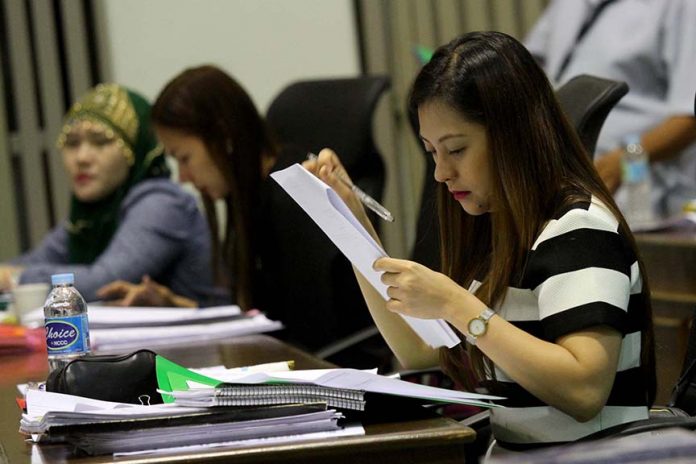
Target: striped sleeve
580 273
580 270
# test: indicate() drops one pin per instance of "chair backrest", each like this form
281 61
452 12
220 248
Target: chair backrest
311 284
335 113
585 99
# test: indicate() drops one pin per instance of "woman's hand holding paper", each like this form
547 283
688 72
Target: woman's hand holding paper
415 290
328 167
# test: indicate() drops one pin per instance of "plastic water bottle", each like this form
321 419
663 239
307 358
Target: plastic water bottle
67 327
637 184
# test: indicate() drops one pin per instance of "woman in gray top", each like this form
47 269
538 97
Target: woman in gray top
127 219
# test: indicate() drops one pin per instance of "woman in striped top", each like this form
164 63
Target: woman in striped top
530 231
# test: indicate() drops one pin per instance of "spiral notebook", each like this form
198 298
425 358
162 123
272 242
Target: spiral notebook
228 394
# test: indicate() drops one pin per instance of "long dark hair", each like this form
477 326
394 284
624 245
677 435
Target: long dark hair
206 102
538 163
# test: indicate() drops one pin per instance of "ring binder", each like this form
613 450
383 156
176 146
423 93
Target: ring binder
257 395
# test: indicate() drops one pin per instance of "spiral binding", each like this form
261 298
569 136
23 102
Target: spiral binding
342 403
288 389
262 395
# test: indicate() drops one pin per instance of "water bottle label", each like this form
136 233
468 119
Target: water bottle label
635 172
67 334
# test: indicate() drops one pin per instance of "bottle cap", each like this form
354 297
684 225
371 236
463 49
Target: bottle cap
631 138
62 279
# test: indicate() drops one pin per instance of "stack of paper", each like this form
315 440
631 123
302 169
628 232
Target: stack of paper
100 427
349 430
292 420
130 328
110 317
47 409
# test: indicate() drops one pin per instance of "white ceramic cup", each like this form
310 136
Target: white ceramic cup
28 297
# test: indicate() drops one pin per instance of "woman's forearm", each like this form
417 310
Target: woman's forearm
574 375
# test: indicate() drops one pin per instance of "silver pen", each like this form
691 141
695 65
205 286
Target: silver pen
364 198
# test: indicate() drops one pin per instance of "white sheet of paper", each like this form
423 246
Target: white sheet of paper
40 402
114 316
330 213
161 336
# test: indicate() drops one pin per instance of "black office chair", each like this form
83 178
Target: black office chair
325 313
585 99
334 113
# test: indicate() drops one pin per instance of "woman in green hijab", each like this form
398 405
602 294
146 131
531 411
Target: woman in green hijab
127 219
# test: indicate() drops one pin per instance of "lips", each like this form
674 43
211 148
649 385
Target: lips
82 178
460 194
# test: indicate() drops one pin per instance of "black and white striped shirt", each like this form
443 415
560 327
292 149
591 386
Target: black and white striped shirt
580 273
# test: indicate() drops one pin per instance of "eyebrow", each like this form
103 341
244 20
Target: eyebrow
443 138
87 133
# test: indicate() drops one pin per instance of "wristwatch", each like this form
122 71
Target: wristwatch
478 326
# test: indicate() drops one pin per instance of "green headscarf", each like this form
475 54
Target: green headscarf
127 114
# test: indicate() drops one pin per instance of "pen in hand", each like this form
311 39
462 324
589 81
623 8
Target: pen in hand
364 198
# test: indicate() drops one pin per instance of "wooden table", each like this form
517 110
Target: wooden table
432 440
670 262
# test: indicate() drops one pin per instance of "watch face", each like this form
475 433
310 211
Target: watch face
477 327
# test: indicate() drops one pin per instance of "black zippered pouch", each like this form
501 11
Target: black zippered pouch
123 378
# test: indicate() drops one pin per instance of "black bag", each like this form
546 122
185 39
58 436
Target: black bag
124 378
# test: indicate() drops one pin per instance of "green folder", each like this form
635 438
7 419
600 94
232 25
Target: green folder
171 376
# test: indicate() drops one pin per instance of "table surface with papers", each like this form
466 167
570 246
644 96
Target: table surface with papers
432 439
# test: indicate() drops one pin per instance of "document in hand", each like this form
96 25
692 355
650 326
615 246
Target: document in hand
332 215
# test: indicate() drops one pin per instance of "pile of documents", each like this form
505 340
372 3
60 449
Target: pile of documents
119 329
100 427
218 405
